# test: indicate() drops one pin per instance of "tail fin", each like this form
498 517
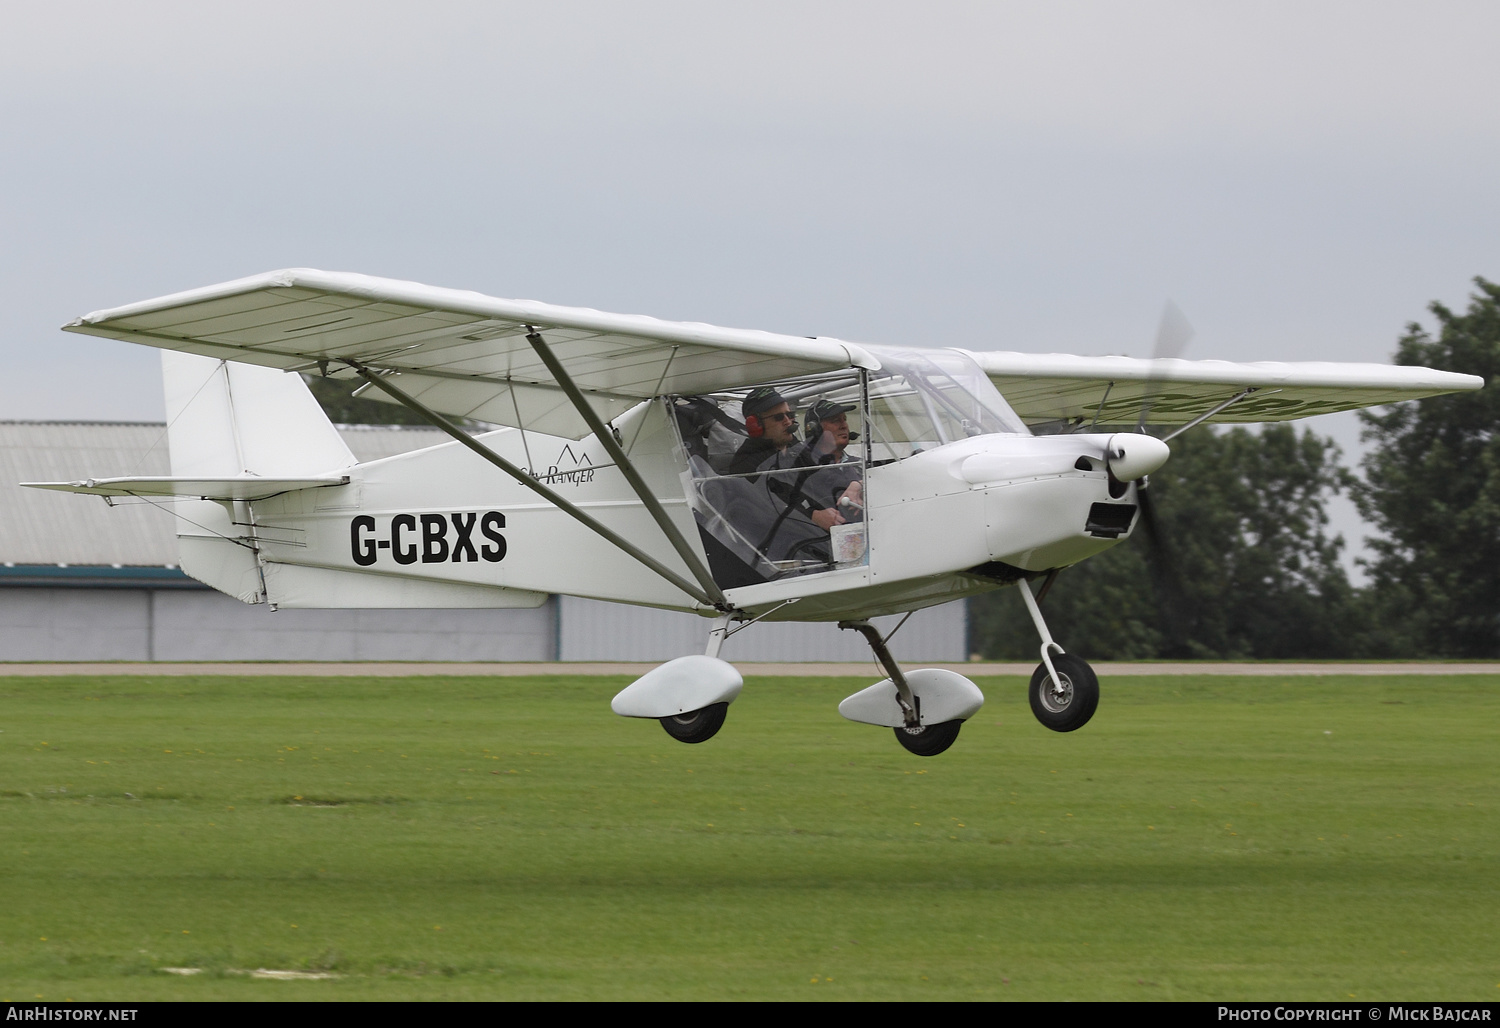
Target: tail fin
226 419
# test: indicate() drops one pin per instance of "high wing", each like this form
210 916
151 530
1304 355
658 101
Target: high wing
1060 388
463 353
466 354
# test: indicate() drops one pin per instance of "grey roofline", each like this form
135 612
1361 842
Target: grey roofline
94 576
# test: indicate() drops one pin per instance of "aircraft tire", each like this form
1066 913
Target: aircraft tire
696 726
929 740
1072 710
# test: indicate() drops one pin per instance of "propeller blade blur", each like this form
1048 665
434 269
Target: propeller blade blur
1173 333
1166 579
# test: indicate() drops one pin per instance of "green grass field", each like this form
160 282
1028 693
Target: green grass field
443 838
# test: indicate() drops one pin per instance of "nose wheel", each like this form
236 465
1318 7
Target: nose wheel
1064 689
1067 703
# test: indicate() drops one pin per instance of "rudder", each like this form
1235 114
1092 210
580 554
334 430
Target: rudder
224 419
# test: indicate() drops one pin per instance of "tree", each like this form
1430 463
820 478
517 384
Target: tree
1432 488
1248 569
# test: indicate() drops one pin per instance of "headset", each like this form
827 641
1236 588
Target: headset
812 427
755 427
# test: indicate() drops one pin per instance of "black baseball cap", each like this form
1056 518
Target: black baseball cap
760 400
825 409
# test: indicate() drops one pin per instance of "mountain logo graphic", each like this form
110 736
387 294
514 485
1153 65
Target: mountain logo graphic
567 468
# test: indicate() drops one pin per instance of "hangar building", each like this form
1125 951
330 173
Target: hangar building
81 581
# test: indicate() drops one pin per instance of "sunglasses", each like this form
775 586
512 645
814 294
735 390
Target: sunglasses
783 416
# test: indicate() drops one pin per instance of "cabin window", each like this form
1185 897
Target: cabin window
777 474
776 477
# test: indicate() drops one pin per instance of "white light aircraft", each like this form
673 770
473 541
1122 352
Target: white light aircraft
741 475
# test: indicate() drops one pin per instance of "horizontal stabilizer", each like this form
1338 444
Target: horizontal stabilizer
241 487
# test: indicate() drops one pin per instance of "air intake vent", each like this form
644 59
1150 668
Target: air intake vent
1110 520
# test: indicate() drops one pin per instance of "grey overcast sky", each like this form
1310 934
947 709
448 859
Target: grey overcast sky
1301 178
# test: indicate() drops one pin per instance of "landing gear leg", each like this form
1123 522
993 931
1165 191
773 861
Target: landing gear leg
718 634
1064 690
923 740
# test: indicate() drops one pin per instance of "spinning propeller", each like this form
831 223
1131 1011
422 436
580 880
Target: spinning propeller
1133 456
1136 450
1172 337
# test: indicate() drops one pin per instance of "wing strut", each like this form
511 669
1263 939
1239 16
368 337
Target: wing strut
531 483
607 436
1201 418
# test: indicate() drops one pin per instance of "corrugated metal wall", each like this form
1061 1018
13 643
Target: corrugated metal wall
40 527
211 626
45 624
42 624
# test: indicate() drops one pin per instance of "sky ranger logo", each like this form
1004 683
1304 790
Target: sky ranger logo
433 543
567 468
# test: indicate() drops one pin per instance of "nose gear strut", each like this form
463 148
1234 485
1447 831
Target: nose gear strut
1064 689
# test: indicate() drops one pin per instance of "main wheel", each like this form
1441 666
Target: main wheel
929 740
1068 704
697 725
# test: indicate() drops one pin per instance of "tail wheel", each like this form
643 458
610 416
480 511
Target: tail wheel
1067 704
697 725
929 740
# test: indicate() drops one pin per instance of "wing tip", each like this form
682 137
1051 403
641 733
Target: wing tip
284 278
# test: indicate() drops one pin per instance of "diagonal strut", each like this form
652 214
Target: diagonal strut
617 454
701 595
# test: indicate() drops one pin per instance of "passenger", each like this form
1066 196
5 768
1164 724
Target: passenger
826 429
841 476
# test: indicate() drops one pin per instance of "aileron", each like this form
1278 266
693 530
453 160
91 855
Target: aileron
242 487
1046 388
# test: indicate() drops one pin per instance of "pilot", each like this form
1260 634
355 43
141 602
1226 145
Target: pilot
771 426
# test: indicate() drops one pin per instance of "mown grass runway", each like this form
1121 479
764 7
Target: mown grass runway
1202 838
